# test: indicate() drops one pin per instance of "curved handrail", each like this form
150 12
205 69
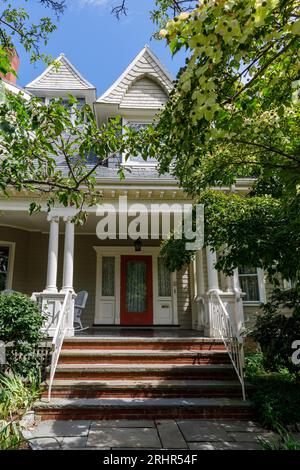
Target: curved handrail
58 338
232 339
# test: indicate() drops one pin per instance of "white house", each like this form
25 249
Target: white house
47 255
36 249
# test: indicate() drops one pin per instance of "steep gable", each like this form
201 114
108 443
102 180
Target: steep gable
144 84
63 77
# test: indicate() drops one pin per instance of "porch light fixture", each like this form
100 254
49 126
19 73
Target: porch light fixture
138 244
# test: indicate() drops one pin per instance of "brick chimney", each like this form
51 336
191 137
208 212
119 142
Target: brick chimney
15 63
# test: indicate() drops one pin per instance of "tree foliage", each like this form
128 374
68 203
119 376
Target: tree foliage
234 112
16 25
53 151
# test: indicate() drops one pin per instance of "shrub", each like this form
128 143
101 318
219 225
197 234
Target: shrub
276 332
16 397
20 324
276 397
254 365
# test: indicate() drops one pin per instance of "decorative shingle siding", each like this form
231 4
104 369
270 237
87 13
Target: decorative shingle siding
63 77
184 299
144 77
144 93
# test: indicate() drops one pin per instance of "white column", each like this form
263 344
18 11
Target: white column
229 283
199 273
68 255
213 281
52 254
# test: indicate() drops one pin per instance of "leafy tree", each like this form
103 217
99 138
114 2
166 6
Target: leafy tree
15 24
234 112
54 151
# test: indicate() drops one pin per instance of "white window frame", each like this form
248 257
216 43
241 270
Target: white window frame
135 163
261 288
11 261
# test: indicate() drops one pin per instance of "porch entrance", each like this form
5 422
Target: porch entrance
136 290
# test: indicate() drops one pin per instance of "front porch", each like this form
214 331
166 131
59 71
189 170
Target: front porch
48 256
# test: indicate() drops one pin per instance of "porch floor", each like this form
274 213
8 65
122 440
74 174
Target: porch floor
115 332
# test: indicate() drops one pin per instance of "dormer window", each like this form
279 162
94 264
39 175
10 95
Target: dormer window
138 160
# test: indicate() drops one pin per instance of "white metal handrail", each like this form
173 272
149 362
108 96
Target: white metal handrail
58 337
224 327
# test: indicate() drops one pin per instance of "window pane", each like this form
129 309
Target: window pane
249 285
247 270
138 158
164 279
4 254
136 286
108 276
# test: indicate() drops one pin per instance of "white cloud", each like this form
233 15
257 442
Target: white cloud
95 3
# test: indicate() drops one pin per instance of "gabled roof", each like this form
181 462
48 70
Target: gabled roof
145 66
15 89
64 77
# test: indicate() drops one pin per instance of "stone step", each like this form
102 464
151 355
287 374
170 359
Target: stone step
144 408
152 343
144 371
138 356
145 388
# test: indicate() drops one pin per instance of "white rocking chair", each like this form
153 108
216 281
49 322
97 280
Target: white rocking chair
80 303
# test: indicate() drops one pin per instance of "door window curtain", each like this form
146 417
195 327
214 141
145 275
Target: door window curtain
108 276
136 286
164 279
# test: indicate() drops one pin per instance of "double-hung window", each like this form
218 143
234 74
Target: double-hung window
138 160
252 284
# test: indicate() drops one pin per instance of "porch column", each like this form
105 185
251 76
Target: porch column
52 254
212 273
228 283
213 284
199 292
68 254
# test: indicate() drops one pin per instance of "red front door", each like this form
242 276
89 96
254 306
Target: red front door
136 290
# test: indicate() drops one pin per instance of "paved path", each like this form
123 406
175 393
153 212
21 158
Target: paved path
159 434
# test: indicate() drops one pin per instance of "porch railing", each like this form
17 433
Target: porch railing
224 327
58 337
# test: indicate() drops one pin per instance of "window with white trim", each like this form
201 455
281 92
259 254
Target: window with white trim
138 159
6 254
164 278
251 283
108 276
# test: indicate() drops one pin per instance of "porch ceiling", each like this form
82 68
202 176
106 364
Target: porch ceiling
38 222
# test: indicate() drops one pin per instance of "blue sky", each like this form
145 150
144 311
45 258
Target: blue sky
99 45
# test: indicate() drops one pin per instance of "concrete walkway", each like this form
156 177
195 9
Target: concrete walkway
160 434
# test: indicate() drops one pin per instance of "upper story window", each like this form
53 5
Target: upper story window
138 159
6 265
252 284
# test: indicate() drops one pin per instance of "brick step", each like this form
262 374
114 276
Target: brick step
155 343
144 371
144 408
141 356
145 389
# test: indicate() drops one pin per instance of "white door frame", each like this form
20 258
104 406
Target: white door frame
161 305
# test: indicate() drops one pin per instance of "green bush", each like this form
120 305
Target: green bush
16 398
254 365
276 332
20 324
276 397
